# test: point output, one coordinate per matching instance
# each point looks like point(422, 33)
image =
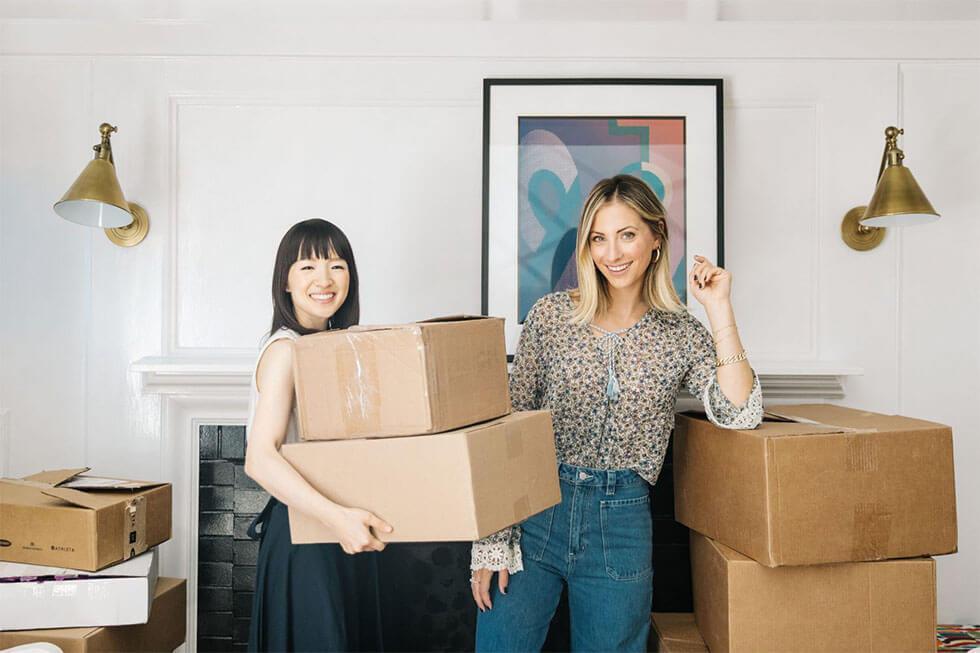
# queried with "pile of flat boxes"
point(812, 532)
point(79, 564)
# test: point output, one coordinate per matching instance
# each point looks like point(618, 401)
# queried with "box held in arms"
point(455, 486)
point(381, 381)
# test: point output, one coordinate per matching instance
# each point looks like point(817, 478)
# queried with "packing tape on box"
point(872, 531)
point(134, 527)
point(862, 455)
point(359, 385)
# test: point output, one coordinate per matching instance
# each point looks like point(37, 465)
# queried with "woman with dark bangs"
point(308, 597)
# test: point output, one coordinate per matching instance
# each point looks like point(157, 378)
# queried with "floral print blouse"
point(612, 395)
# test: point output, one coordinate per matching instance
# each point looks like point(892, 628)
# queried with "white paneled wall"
point(228, 133)
point(938, 324)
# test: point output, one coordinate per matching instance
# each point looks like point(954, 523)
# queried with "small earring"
point(657, 257)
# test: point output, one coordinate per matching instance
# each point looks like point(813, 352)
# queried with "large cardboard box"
point(818, 484)
point(62, 518)
point(454, 486)
point(741, 605)
point(165, 631)
point(34, 596)
point(675, 632)
point(407, 379)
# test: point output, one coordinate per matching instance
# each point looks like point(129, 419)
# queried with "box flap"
point(780, 424)
point(101, 483)
point(367, 328)
point(677, 633)
point(862, 420)
point(785, 423)
point(78, 498)
point(462, 317)
point(727, 552)
point(56, 476)
point(483, 425)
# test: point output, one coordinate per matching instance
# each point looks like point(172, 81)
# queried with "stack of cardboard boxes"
point(812, 532)
point(412, 422)
point(78, 567)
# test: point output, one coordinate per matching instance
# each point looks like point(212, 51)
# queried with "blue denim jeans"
point(598, 541)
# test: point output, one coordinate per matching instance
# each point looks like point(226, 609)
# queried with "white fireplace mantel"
point(229, 376)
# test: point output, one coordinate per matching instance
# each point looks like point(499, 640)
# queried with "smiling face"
point(622, 246)
point(318, 288)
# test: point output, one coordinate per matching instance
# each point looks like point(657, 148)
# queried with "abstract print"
point(560, 159)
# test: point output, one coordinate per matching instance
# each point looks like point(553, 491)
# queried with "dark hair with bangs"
point(313, 238)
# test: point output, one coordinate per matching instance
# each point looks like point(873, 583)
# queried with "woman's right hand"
point(354, 530)
point(480, 580)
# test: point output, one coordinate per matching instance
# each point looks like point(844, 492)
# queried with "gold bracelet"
point(729, 326)
point(734, 358)
point(725, 337)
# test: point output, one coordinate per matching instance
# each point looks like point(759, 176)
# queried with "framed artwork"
point(546, 142)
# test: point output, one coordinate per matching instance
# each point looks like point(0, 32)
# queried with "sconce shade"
point(898, 201)
point(95, 199)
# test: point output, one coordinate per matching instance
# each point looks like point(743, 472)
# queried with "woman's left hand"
point(709, 283)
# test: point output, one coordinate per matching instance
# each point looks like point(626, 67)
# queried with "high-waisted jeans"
point(598, 540)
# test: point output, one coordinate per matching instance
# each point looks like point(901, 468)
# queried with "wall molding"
point(218, 378)
point(171, 345)
point(812, 352)
point(183, 417)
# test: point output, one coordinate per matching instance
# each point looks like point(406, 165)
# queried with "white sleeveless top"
point(292, 434)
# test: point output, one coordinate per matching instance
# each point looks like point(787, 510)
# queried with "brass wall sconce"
point(897, 201)
point(96, 200)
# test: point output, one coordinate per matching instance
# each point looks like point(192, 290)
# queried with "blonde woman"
point(608, 360)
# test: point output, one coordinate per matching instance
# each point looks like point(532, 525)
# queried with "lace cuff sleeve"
point(722, 412)
point(501, 550)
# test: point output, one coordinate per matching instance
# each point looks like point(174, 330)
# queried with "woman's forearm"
point(266, 466)
point(734, 379)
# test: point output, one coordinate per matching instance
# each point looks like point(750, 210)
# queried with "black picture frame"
point(698, 100)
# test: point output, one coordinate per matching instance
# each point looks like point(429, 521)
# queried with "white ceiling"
point(497, 10)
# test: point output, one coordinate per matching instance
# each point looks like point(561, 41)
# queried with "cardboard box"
point(455, 486)
point(33, 596)
point(62, 518)
point(165, 631)
point(408, 379)
point(675, 632)
point(741, 605)
point(818, 484)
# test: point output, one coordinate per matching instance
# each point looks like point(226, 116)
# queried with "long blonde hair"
point(592, 294)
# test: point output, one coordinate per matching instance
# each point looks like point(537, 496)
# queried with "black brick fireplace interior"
point(425, 587)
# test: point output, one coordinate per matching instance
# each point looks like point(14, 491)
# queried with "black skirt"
point(311, 597)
